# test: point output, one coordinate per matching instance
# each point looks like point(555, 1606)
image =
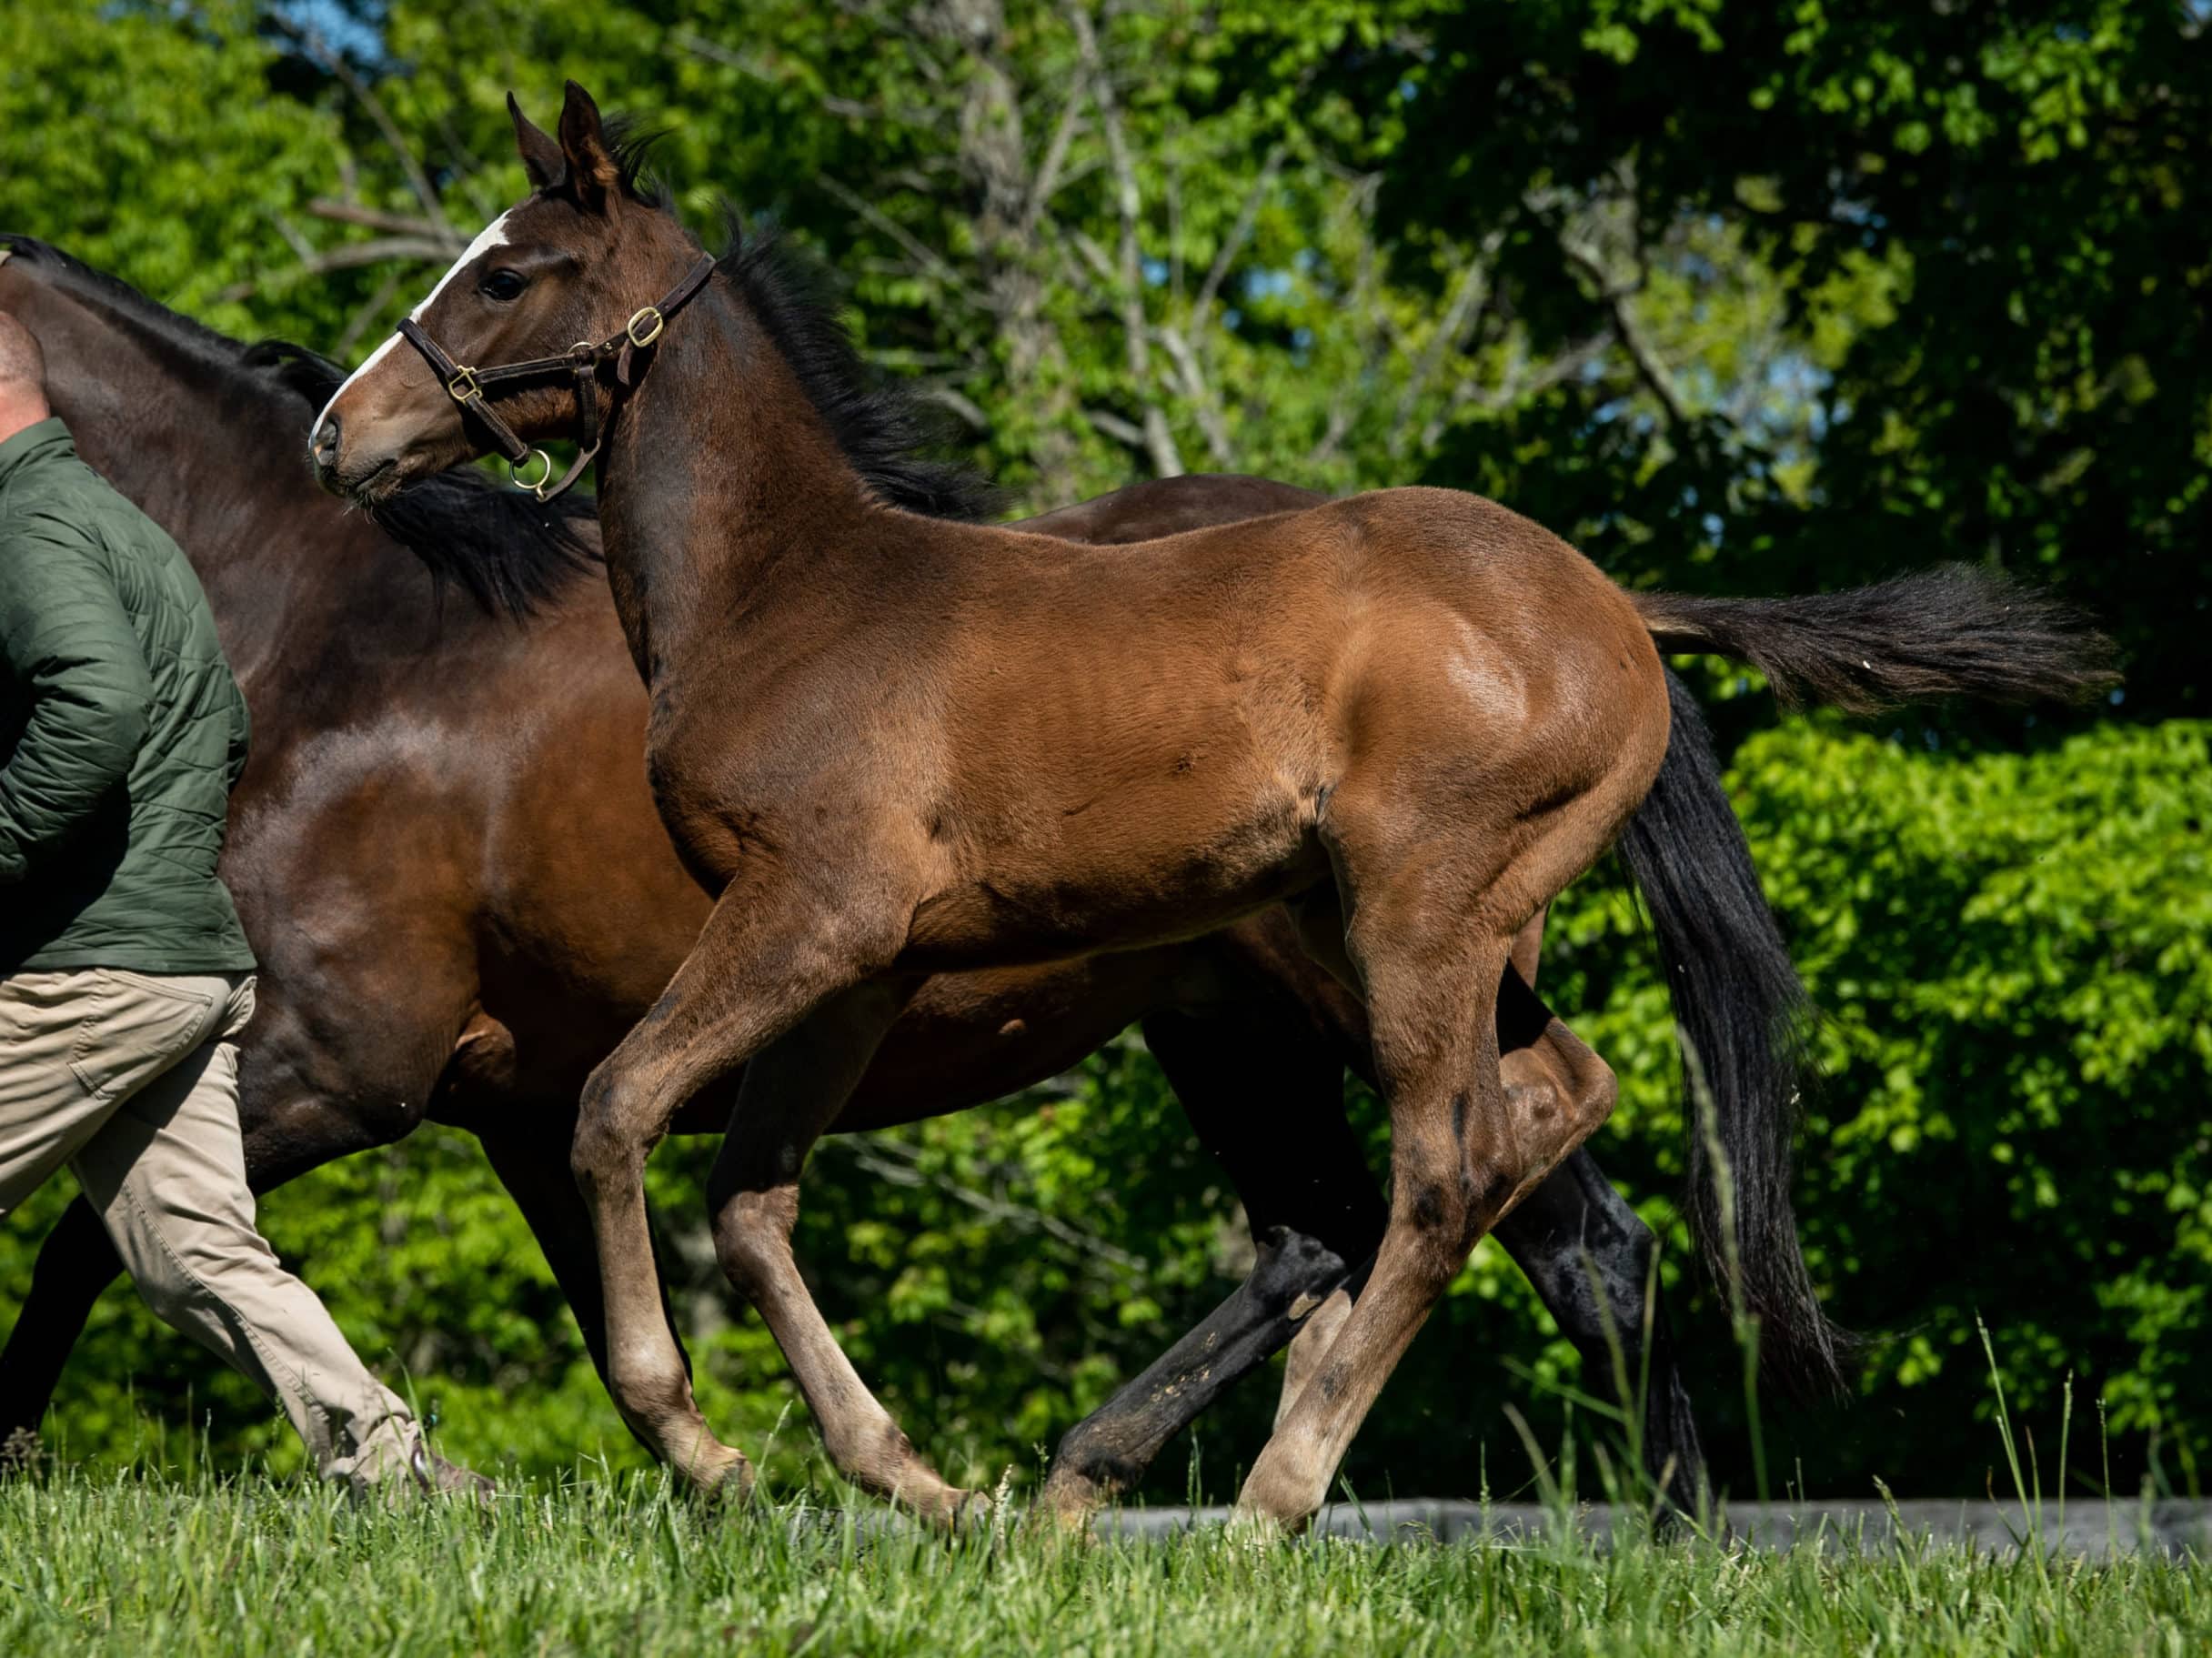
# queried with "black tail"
point(1953, 630)
point(1742, 1014)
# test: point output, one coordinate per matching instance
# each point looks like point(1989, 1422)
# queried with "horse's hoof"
point(1069, 1504)
point(1071, 1501)
point(965, 1513)
point(726, 1484)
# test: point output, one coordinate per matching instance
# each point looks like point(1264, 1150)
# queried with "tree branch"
point(928, 257)
point(1460, 311)
point(366, 313)
point(1654, 375)
point(1048, 179)
point(968, 412)
point(352, 255)
point(1211, 421)
point(1159, 442)
point(417, 180)
point(889, 1160)
point(373, 218)
point(1115, 428)
point(1240, 233)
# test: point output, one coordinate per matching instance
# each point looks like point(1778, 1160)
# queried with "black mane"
point(882, 430)
point(505, 549)
point(631, 143)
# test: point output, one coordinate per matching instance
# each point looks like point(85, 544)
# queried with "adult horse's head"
point(536, 326)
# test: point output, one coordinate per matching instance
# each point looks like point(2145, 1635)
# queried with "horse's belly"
point(1139, 877)
point(969, 1038)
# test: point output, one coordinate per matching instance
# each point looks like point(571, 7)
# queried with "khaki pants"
point(131, 1079)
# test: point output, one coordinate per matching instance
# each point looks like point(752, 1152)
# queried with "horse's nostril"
point(325, 447)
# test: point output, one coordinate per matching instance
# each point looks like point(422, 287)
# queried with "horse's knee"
point(607, 1146)
point(752, 1237)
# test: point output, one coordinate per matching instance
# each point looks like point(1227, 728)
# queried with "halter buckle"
point(463, 378)
point(536, 488)
point(642, 340)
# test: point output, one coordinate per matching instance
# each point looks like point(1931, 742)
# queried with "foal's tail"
point(1953, 630)
point(1743, 1015)
point(1956, 631)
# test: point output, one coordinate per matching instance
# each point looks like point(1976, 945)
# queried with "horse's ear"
point(541, 156)
point(594, 174)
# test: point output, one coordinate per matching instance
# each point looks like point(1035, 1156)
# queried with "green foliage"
point(1740, 297)
point(2029, 381)
point(175, 109)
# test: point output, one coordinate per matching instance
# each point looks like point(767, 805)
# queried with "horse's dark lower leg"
point(75, 1263)
point(1271, 1108)
point(1589, 1257)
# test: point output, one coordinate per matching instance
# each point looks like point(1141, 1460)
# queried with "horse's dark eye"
point(502, 285)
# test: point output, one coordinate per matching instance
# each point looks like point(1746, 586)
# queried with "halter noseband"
point(473, 389)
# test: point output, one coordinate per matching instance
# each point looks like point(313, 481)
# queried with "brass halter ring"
point(463, 385)
point(536, 488)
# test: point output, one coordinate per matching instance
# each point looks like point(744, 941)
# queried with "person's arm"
point(68, 644)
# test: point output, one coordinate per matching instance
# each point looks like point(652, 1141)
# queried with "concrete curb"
point(2092, 1530)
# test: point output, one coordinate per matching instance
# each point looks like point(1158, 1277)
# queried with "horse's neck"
point(310, 598)
point(212, 454)
point(723, 497)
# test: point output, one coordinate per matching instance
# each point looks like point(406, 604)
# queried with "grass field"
point(140, 1563)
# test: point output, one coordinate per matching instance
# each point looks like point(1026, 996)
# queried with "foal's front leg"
point(770, 951)
point(791, 1093)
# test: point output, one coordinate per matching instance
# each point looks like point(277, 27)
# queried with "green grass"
point(139, 1561)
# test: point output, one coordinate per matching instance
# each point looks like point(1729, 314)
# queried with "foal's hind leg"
point(1434, 913)
point(1321, 921)
point(792, 1092)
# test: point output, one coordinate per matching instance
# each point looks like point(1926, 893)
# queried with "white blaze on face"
point(494, 235)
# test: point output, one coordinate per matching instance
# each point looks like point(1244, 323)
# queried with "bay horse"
point(896, 744)
point(457, 930)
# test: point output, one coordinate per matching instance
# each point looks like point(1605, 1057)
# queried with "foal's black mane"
point(880, 424)
point(505, 549)
point(883, 429)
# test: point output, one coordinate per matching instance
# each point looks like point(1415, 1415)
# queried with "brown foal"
point(896, 745)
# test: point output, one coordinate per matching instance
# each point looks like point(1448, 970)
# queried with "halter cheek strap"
point(473, 389)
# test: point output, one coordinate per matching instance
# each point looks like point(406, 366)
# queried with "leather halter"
point(473, 389)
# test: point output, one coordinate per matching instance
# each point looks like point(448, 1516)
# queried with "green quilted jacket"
point(121, 731)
